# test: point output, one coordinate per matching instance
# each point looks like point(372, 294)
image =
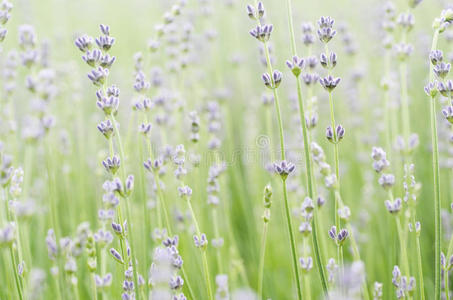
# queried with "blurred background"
point(223, 65)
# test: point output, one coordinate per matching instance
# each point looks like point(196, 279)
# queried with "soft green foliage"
point(380, 97)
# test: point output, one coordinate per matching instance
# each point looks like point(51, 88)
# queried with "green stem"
point(217, 236)
point(16, 274)
point(405, 102)
point(261, 263)
point(435, 149)
point(95, 291)
point(447, 292)
point(307, 289)
point(128, 213)
point(292, 240)
point(282, 150)
point(310, 179)
point(404, 263)
point(421, 285)
point(203, 253)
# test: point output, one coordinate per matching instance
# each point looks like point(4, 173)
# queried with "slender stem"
point(435, 149)
point(203, 253)
point(447, 292)
point(217, 236)
point(282, 154)
point(336, 155)
point(405, 102)
point(420, 270)
point(292, 240)
point(16, 274)
point(310, 179)
point(261, 263)
point(404, 263)
point(95, 291)
point(128, 213)
point(306, 251)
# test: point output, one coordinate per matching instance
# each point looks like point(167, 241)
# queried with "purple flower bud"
point(436, 56)
point(98, 76)
point(115, 254)
point(284, 168)
point(84, 43)
point(442, 69)
point(329, 83)
point(446, 89)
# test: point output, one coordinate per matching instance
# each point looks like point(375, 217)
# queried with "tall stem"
point(447, 292)
point(282, 154)
point(128, 213)
point(16, 274)
point(436, 175)
point(203, 253)
point(308, 162)
point(261, 263)
point(292, 241)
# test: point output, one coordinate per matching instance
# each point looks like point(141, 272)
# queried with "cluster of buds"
point(335, 136)
point(306, 263)
point(379, 157)
point(5, 9)
point(272, 82)
point(200, 241)
point(404, 286)
point(329, 83)
point(98, 58)
point(194, 126)
point(380, 163)
point(388, 24)
point(307, 216)
point(340, 236)
point(308, 37)
point(325, 29)
point(267, 199)
point(284, 168)
point(393, 207)
point(256, 13)
point(330, 179)
point(163, 274)
point(446, 19)
point(262, 32)
point(296, 65)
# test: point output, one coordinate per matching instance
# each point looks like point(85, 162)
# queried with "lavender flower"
point(442, 69)
point(274, 81)
point(328, 62)
point(98, 76)
point(325, 30)
point(84, 43)
point(446, 89)
point(262, 32)
point(296, 65)
point(200, 241)
point(339, 237)
point(393, 207)
point(329, 83)
point(284, 168)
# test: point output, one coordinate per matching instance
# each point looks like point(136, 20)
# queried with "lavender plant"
point(165, 199)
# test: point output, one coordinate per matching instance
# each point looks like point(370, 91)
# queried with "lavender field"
point(226, 149)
